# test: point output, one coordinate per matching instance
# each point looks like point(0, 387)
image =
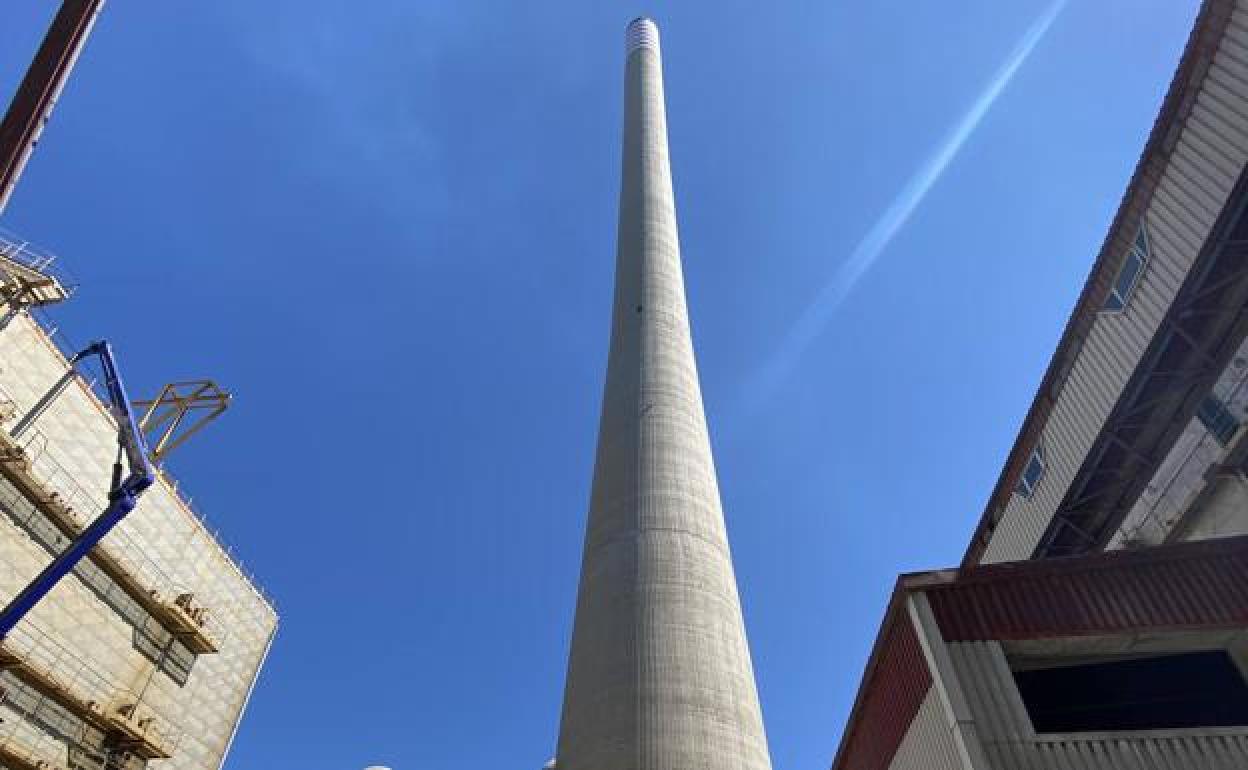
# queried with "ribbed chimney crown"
point(642, 33)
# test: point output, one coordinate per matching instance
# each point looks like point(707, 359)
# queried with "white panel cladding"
point(1208, 157)
point(1006, 734)
point(928, 743)
point(1224, 513)
point(73, 445)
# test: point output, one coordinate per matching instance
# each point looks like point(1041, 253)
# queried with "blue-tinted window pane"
point(1217, 419)
point(1129, 273)
point(1141, 243)
point(1032, 474)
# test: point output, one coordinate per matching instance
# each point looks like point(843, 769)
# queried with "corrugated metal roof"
point(1189, 585)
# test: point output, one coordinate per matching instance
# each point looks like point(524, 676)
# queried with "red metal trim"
point(1200, 585)
point(37, 94)
point(893, 688)
point(1196, 585)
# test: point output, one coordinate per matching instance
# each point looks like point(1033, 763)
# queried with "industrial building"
point(659, 674)
point(145, 652)
point(1099, 618)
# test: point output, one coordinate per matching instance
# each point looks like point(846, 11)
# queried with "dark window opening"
point(1129, 274)
point(1186, 690)
point(1217, 419)
point(1032, 473)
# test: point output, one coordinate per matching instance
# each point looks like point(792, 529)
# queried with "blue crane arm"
point(121, 499)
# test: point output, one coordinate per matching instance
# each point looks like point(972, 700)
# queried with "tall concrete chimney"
point(659, 676)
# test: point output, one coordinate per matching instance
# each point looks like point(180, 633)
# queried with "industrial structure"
point(1100, 616)
point(129, 637)
point(659, 674)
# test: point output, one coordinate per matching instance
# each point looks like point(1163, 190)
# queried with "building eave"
point(1210, 26)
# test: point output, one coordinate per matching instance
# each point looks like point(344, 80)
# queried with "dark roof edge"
point(1207, 33)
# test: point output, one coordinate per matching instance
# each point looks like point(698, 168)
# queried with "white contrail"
point(819, 313)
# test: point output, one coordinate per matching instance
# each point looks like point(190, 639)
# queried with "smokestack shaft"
point(659, 676)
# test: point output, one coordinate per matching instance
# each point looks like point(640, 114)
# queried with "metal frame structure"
point(1199, 335)
point(164, 420)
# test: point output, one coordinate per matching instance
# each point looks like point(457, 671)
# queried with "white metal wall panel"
point(1201, 171)
point(73, 445)
point(1005, 730)
point(929, 743)
point(1224, 514)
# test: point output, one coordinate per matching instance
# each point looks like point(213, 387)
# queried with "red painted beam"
point(37, 95)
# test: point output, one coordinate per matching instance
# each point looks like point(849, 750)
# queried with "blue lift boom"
point(122, 497)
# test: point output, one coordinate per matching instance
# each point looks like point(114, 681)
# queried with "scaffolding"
point(76, 685)
point(28, 275)
point(32, 468)
point(50, 496)
point(107, 717)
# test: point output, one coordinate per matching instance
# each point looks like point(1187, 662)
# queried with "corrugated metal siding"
point(1210, 153)
point(1189, 585)
point(892, 692)
point(929, 743)
point(1005, 730)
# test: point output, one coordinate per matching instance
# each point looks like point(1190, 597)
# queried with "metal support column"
point(37, 95)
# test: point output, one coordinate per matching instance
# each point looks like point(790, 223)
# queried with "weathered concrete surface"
point(660, 675)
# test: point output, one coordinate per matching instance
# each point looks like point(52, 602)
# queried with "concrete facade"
point(659, 676)
point(100, 645)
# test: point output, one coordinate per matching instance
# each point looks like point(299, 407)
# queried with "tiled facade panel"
point(929, 743)
point(1004, 729)
point(73, 447)
point(1207, 158)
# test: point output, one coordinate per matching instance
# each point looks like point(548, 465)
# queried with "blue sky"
point(388, 227)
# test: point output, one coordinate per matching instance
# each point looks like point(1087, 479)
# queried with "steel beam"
point(39, 90)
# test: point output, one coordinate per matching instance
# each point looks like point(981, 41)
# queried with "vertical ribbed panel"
point(929, 743)
point(1004, 729)
point(892, 692)
point(1179, 196)
point(659, 676)
point(1192, 585)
